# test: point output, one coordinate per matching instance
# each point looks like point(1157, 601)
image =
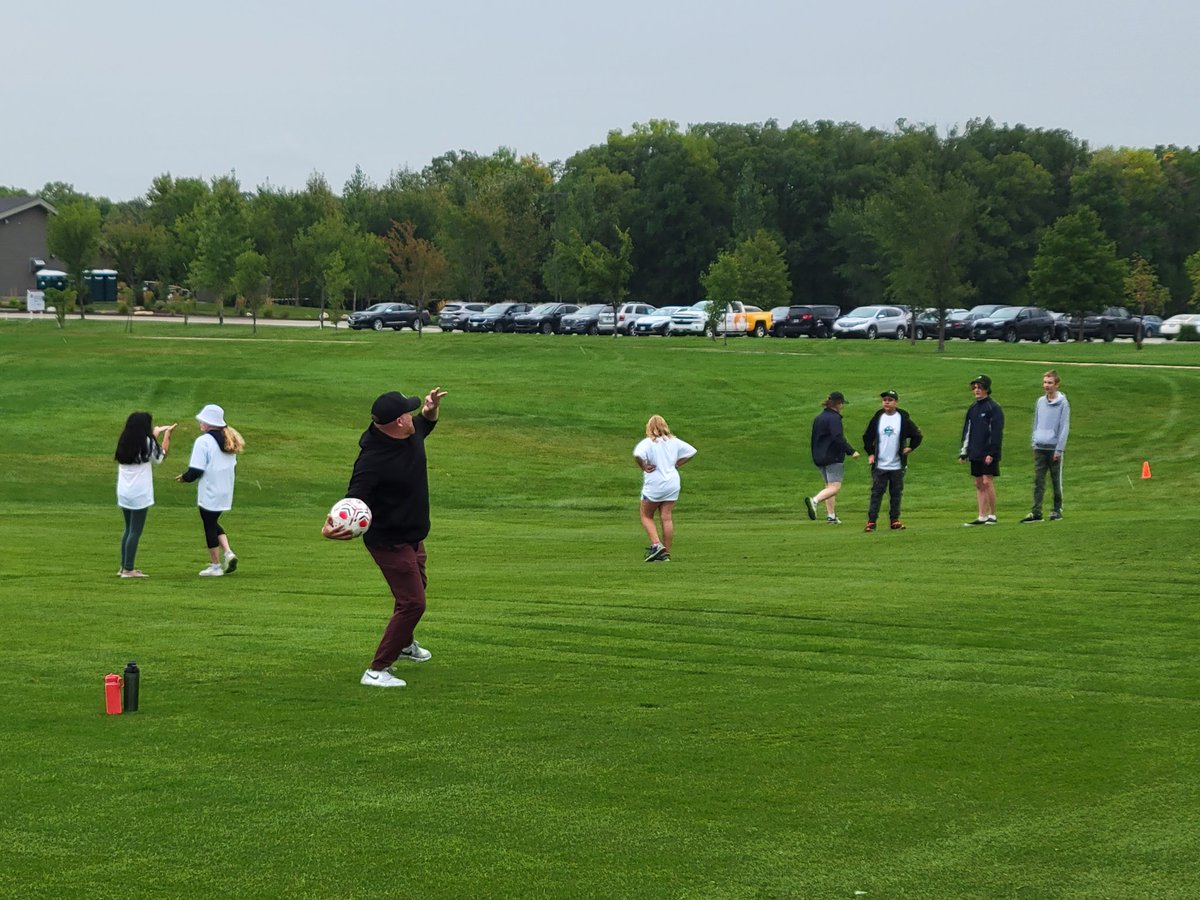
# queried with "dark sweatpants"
point(891, 481)
point(403, 565)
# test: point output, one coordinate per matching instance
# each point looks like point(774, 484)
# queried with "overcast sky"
point(108, 95)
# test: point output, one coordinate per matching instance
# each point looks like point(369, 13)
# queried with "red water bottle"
point(112, 694)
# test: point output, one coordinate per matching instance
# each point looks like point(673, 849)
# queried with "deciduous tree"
point(1076, 269)
point(74, 237)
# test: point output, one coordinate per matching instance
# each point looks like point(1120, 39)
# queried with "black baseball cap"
point(836, 397)
point(983, 381)
point(388, 407)
point(890, 394)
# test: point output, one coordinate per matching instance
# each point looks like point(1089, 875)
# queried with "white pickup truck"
point(738, 319)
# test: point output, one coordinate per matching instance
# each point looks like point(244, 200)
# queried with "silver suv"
point(625, 317)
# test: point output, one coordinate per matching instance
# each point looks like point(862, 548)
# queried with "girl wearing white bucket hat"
point(212, 465)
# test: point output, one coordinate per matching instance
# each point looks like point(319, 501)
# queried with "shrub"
point(1189, 333)
point(122, 308)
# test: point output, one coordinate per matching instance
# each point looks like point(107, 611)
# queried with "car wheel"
point(1011, 335)
point(872, 333)
point(822, 331)
point(1045, 338)
point(760, 330)
point(547, 327)
point(377, 324)
point(595, 329)
point(900, 333)
point(1109, 335)
point(919, 333)
point(709, 331)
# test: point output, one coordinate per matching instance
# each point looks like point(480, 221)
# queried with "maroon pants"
point(403, 565)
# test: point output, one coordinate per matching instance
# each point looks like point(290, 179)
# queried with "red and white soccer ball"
point(351, 514)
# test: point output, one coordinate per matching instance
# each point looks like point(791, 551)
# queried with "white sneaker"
point(990, 520)
point(213, 570)
point(414, 652)
point(371, 678)
point(230, 564)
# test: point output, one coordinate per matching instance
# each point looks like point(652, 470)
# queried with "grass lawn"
point(786, 709)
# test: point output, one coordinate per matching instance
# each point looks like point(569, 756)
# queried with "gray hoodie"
point(1051, 423)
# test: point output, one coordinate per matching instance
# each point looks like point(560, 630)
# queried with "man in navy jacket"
point(982, 437)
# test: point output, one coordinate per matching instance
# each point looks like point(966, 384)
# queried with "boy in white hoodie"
point(1051, 424)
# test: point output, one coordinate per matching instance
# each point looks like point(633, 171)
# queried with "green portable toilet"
point(50, 278)
point(101, 285)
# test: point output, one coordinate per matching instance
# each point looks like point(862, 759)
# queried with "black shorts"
point(979, 467)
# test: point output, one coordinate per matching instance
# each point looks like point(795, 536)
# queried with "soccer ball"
point(352, 514)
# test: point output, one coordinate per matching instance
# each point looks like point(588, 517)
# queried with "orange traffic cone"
point(1146, 469)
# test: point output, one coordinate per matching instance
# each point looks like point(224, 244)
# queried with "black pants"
point(891, 481)
point(135, 521)
point(211, 529)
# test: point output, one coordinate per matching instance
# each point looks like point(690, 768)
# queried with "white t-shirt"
point(887, 452)
point(214, 489)
point(662, 453)
point(135, 481)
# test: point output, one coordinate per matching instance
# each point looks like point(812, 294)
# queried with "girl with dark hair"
point(138, 448)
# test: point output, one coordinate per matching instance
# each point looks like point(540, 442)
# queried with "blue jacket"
point(983, 430)
point(829, 444)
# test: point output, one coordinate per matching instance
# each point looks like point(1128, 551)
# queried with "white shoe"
point(371, 678)
point(213, 570)
point(990, 520)
point(414, 652)
point(230, 564)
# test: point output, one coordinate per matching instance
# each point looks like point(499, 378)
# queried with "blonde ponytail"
point(233, 442)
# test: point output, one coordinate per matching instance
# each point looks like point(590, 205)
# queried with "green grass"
point(785, 710)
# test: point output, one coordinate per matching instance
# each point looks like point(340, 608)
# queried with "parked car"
point(813, 321)
point(1112, 323)
point(959, 324)
point(1151, 326)
point(656, 322)
point(1172, 328)
point(454, 314)
point(545, 317)
point(1016, 323)
point(927, 322)
point(623, 318)
point(497, 317)
point(871, 322)
point(585, 320)
point(388, 315)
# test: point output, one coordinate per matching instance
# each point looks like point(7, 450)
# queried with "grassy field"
point(787, 709)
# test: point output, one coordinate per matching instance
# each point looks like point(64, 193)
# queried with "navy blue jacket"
point(829, 444)
point(983, 430)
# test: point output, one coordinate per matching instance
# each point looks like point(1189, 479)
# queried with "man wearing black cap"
point(890, 436)
point(390, 476)
point(982, 436)
point(829, 451)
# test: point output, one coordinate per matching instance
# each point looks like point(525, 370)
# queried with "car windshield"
point(1009, 312)
point(862, 312)
point(498, 307)
point(542, 308)
point(591, 309)
point(378, 307)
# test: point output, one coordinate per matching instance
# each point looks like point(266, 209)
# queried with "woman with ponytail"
point(214, 458)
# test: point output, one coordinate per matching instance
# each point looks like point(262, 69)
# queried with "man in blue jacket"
point(829, 451)
point(982, 437)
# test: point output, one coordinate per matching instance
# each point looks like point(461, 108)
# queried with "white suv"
point(626, 315)
point(871, 322)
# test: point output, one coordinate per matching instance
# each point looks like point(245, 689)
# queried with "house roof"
point(11, 206)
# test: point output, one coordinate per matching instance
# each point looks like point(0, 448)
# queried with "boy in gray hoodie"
point(1051, 424)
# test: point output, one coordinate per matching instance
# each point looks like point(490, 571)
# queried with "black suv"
point(1016, 323)
point(793, 321)
point(544, 317)
point(497, 317)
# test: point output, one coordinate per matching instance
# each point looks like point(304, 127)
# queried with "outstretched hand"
point(433, 399)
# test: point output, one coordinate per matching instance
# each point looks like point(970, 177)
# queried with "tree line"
point(817, 212)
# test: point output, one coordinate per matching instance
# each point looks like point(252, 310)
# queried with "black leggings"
point(212, 531)
point(135, 521)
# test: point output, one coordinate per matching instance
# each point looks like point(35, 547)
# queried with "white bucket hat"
point(212, 415)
